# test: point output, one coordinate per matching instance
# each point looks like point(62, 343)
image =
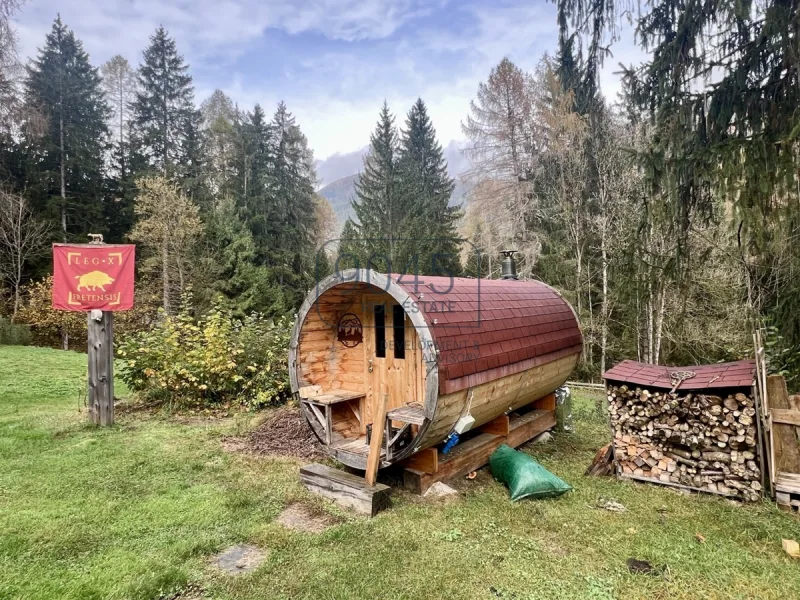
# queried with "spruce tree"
point(287, 246)
point(382, 212)
point(351, 252)
point(426, 187)
point(119, 84)
point(65, 164)
point(233, 269)
point(166, 121)
point(252, 166)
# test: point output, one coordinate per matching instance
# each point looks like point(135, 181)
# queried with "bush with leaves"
point(14, 334)
point(216, 359)
point(50, 327)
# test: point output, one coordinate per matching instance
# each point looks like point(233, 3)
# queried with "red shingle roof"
point(723, 375)
point(485, 329)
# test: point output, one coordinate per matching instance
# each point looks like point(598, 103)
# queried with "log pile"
point(696, 440)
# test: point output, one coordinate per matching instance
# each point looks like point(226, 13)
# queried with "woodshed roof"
point(723, 375)
point(485, 329)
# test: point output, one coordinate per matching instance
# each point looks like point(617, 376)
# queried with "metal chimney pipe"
point(508, 267)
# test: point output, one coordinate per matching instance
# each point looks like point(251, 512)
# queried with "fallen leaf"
point(632, 530)
point(791, 548)
point(472, 475)
point(700, 538)
point(611, 505)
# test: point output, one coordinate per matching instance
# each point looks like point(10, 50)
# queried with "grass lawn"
point(135, 511)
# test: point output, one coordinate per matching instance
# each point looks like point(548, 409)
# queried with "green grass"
point(135, 511)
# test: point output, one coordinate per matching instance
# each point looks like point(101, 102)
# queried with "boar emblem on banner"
point(93, 280)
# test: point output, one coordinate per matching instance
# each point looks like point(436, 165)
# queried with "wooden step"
point(410, 413)
point(347, 490)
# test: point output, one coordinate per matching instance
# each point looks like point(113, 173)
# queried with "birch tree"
point(23, 238)
point(169, 226)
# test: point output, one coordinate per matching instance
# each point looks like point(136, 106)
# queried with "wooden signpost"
point(96, 278)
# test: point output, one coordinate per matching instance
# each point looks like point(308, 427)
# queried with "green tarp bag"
point(524, 477)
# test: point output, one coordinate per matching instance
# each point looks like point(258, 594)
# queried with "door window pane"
point(380, 331)
point(399, 327)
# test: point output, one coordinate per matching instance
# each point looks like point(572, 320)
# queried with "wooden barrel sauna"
point(440, 348)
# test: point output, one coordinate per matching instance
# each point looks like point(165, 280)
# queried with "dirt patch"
point(299, 518)
point(285, 433)
point(239, 559)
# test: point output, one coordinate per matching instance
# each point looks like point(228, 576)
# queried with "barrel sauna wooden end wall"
point(440, 348)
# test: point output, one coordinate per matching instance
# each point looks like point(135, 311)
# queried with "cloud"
point(333, 61)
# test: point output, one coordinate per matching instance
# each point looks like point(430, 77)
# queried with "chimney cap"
point(508, 267)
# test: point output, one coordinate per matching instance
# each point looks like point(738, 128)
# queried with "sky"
point(333, 62)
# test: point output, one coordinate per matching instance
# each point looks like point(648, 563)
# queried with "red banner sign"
point(93, 276)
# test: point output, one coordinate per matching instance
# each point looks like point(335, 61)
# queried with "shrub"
point(14, 334)
point(218, 359)
point(49, 325)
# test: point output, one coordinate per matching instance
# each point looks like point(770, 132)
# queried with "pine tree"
point(427, 187)
point(167, 137)
point(351, 252)
point(382, 213)
point(220, 128)
point(252, 164)
point(65, 174)
point(236, 276)
point(287, 246)
point(119, 84)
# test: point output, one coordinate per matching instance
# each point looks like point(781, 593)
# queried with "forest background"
point(668, 216)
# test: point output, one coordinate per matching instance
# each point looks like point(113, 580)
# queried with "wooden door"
point(390, 353)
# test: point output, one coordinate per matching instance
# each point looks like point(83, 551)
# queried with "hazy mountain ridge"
point(340, 192)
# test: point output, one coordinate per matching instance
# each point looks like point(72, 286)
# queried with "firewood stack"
point(692, 439)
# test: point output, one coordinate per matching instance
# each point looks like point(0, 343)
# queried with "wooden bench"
point(320, 405)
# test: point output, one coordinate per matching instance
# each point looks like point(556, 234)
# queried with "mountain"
point(340, 192)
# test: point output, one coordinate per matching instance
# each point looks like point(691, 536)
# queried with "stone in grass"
point(440, 490)
point(239, 559)
point(300, 518)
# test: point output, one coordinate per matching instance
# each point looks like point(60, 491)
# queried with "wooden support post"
point(498, 426)
point(101, 367)
point(425, 461)
point(374, 459)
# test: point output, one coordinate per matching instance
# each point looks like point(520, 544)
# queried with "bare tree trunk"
point(638, 324)
point(650, 310)
point(63, 177)
point(660, 324)
point(605, 307)
point(165, 275)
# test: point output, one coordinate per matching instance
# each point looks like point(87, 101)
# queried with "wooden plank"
point(786, 450)
point(101, 367)
point(785, 416)
point(408, 414)
point(546, 403)
point(310, 391)
point(529, 425)
point(498, 426)
point(345, 489)
point(426, 461)
point(374, 459)
point(673, 484)
point(788, 483)
point(336, 396)
point(473, 453)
